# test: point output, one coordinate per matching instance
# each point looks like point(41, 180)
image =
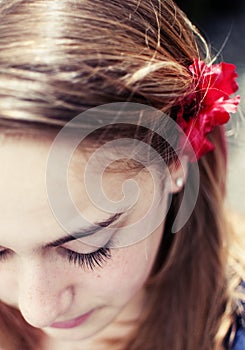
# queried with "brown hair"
point(59, 58)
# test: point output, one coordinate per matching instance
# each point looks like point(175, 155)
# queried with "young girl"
point(114, 233)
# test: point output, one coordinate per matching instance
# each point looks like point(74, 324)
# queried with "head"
point(57, 60)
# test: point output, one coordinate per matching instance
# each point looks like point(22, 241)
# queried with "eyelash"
point(3, 255)
point(90, 260)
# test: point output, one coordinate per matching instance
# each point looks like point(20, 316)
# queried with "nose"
point(43, 295)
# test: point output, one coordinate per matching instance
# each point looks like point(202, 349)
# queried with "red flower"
point(212, 103)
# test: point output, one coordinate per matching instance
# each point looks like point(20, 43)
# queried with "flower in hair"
point(209, 105)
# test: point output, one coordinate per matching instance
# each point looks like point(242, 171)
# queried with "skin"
point(40, 281)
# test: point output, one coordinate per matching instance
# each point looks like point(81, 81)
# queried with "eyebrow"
point(85, 232)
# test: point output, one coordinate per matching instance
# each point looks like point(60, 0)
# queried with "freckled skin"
point(42, 284)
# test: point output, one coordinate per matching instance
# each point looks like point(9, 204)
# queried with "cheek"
point(122, 276)
point(8, 288)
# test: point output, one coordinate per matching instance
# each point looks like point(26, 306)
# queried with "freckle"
point(98, 276)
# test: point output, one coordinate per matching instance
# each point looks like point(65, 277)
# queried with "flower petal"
point(213, 86)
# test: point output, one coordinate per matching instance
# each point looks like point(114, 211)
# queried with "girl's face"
point(70, 290)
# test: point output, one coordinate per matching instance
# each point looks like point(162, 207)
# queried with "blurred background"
point(222, 22)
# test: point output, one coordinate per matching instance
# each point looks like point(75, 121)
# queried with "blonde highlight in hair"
point(47, 50)
point(60, 57)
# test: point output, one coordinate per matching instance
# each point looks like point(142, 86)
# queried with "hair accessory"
point(179, 182)
point(208, 105)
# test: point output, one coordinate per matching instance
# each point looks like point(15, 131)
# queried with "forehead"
point(23, 198)
point(24, 204)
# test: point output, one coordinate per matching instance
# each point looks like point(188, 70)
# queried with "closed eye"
point(4, 254)
point(90, 260)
